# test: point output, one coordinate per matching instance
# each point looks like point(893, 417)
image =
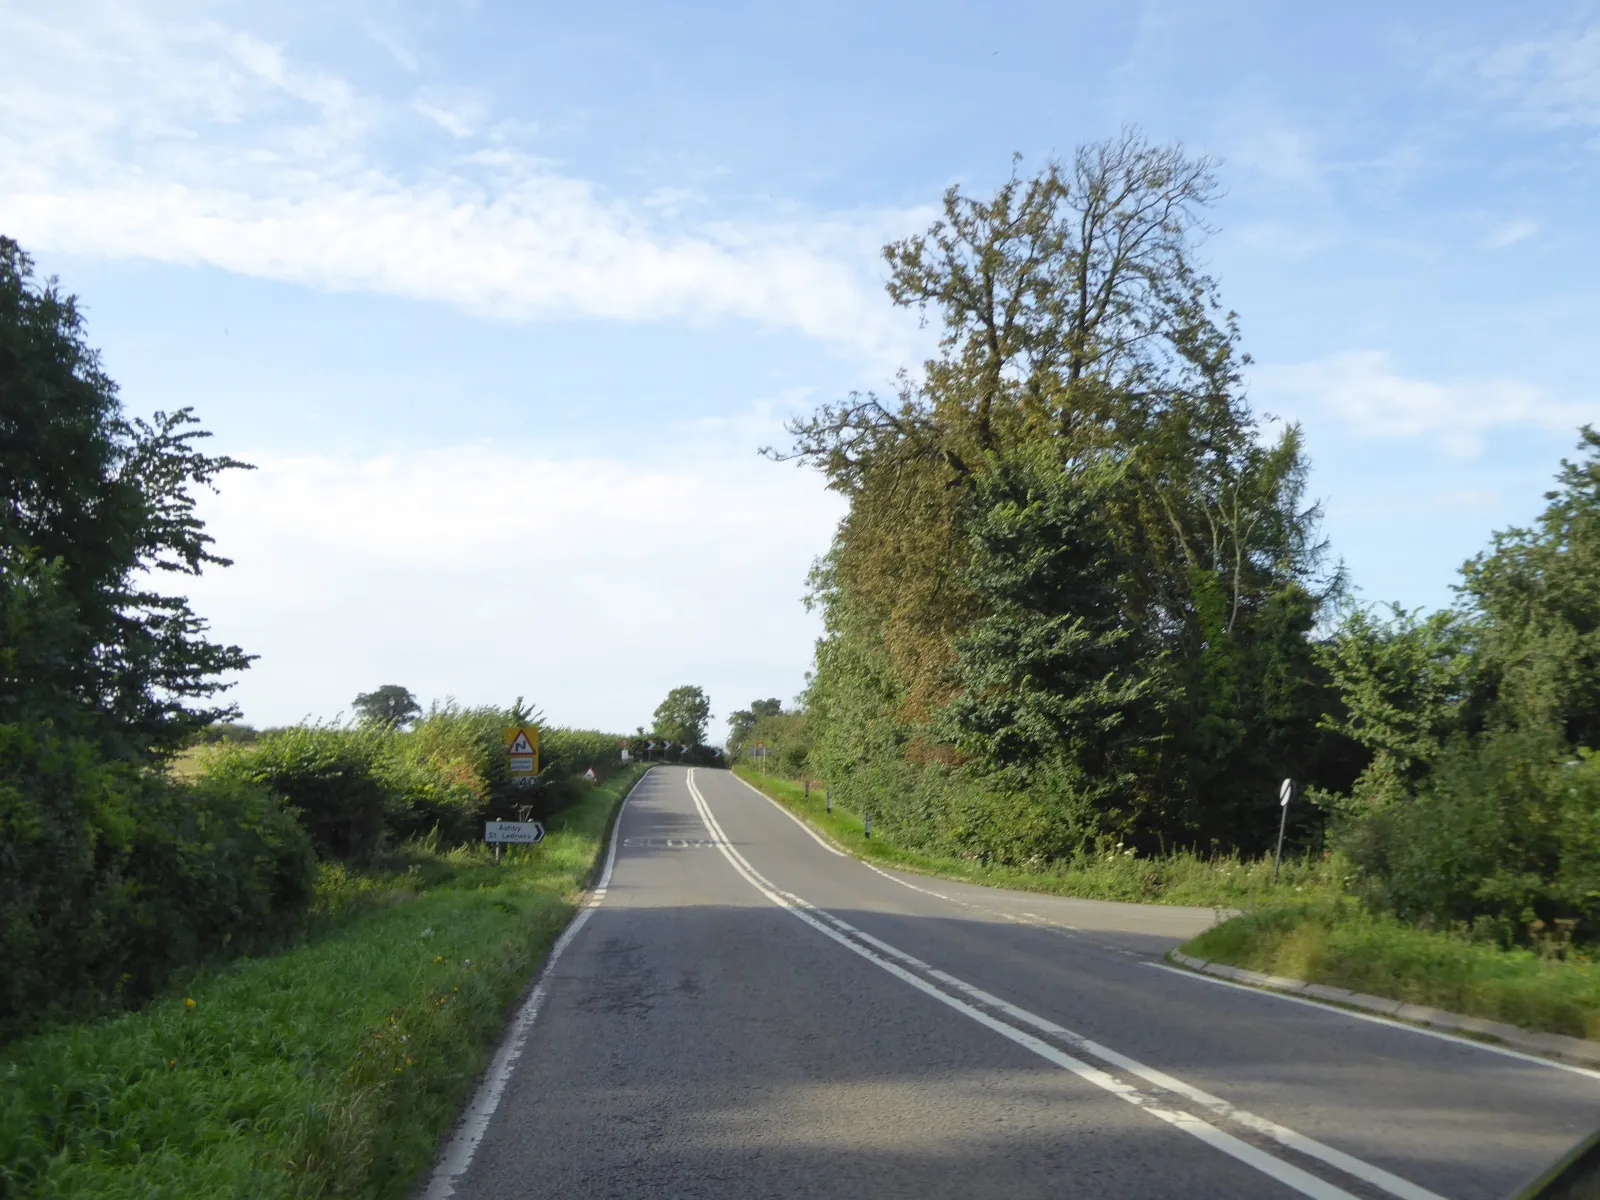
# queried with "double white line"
point(968, 999)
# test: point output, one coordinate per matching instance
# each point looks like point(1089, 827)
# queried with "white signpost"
point(1285, 794)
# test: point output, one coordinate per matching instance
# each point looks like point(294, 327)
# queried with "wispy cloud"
point(195, 143)
point(1512, 232)
point(1553, 80)
point(1362, 390)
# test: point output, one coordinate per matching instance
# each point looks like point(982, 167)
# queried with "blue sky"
point(501, 298)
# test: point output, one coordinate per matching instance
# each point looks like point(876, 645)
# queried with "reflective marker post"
point(869, 825)
point(1285, 792)
point(829, 796)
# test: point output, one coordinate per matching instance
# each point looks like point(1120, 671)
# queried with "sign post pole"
point(829, 796)
point(1285, 792)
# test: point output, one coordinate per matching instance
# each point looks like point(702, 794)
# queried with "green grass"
point(1343, 944)
point(1226, 881)
point(331, 1069)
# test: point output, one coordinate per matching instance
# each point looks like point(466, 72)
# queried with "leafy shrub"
point(573, 751)
point(112, 877)
point(329, 776)
point(443, 775)
point(1504, 833)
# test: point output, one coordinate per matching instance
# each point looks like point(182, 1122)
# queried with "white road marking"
point(815, 836)
point(1379, 1019)
point(457, 1156)
point(1286, 1173)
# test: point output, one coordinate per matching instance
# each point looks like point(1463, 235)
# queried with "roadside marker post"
point(828, 795)
point(869, 825)
point(1286, 791)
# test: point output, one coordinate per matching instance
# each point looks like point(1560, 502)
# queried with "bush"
point(1503, 834)
point(112, 877)
point(443, 777)
point(329, 776)
point(565, 752)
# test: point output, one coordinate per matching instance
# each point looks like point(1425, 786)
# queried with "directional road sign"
point(524, 833)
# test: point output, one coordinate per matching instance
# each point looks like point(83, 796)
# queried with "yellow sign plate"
point(522, 750)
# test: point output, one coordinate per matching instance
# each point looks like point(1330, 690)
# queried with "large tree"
point(98, 507)
point(682, 716)
point(1070, 541)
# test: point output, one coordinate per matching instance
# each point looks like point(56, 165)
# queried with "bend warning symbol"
point(521, 745)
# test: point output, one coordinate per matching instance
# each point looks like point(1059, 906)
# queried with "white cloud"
point(1512, 232)
point(188, 142)
point(1362, 390)
point(592, 586)
point(1553, 80)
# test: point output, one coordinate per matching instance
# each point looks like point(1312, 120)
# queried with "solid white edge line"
point(1286, 1173)
point(1379, 1019)
point(457, 1156)
point(815, 836)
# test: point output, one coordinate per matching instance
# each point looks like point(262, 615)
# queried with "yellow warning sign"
point(522, 751)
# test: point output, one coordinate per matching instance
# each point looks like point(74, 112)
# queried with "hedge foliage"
point(112, 876)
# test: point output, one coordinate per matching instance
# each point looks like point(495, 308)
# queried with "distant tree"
point(390, 705)
point(94, 507)
point(744, 720)
point(682, 716)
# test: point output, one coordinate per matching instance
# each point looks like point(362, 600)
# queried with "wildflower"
point(438, 958)
point(189, 1003)
point(466, 962)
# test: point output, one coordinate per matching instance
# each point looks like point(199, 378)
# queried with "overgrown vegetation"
point(332, 1069)
point(1079, 604)
point(1070, 603)
point(1183, 877)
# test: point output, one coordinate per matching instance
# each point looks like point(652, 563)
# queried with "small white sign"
point(522, 764)
point(527, 833)
point(1285, 793)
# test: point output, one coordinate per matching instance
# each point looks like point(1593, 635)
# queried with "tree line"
point(1081, 597)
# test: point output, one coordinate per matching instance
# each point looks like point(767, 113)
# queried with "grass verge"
point(1181, 878)
point(1343, 944)
point(331, 1069)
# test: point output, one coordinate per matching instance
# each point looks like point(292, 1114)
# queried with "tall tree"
point(1081, 348)
point(683, 715)
point(97, 507)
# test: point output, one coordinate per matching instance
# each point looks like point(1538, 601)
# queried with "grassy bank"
point(331, 1069)
point(1182, 878)
point(1554, 990)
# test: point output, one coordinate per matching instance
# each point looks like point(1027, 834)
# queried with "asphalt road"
point(747, 1013)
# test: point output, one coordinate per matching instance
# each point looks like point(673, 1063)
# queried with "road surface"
point(747, 1013)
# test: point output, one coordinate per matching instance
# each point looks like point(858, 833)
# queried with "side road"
point(1090, 917)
